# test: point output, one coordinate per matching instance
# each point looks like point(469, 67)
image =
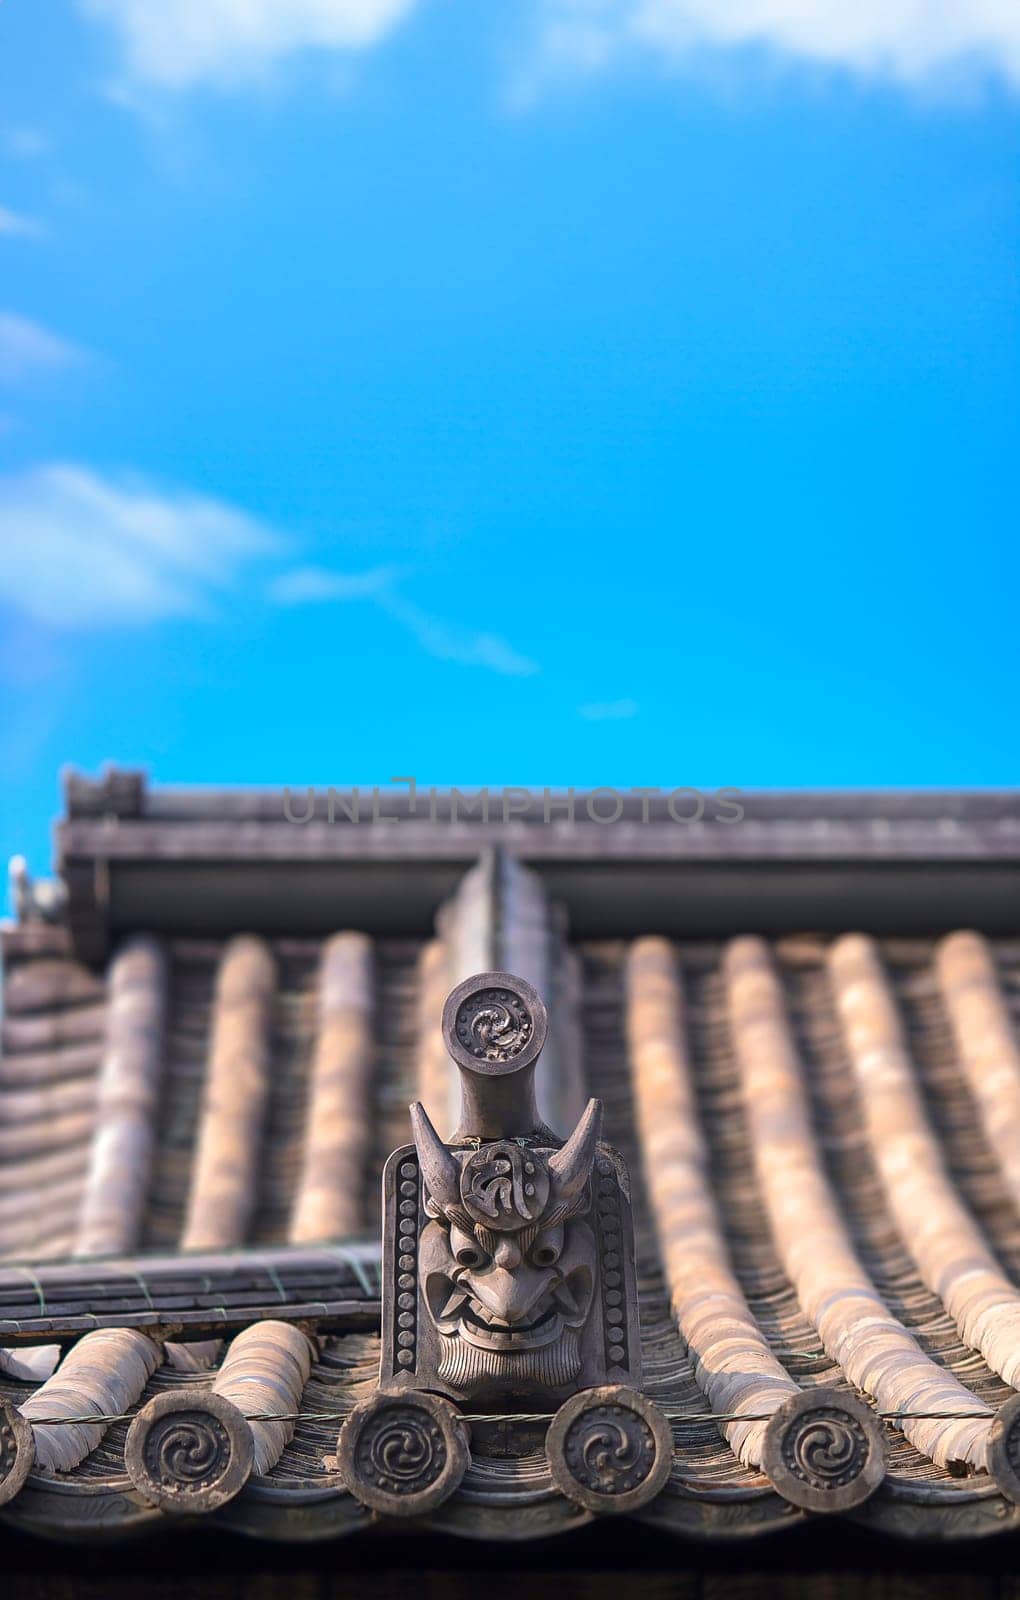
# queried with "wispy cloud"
point(910, 42)
point(306, 585)
point(27, 348)
point(79, 550)
point(178, 44)
point(465, 646)
point(82, 550)
point(16, 225)
point(609, 710)
point(24, 143)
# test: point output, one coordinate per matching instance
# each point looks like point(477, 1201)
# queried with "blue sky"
point(580, 391)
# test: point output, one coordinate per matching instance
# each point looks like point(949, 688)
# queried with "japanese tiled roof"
point(203, 1072)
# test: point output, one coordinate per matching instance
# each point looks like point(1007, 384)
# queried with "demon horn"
point(440, 1170)
point(570, 1168)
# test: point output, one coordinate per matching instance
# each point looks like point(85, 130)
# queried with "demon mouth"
point(487, 1332)
point(460, 1314)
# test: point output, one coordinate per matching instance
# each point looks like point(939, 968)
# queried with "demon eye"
point(467, 1252)
point(545, 1252)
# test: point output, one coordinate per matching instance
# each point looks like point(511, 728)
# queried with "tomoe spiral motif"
point(187, 1450)
point(826, 1448)
point(494, 1025)
point(504, 1186)
point(401, 1450)
point(610, 1449)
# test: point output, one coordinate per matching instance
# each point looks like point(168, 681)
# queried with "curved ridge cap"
point(935, 1226)
point(691, 1242)
point(103, 1374)
point(876, 1352)
point(987, 1043)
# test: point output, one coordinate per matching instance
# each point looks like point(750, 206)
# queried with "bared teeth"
point(564, 1295)
point(506, 1339)
point(453, 1305)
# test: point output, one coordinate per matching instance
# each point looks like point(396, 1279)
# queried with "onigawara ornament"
point(508, 1257)
point(508, 1288)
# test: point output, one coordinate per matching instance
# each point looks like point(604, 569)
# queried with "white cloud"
point(904, 41)
point(25, 143)
point(181, 44)
point(16, 225)
point(464, 646)
point(26, 347)
point(609, 710)
point(175, 44)
point(306, 585)
point(78, 550)
point(468, 648)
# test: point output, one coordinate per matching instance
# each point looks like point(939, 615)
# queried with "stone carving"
point(825, 1451)
point(17, 1451)
point(508, 1264)
point(404, 1279)
point(509, 1257)
point(186, 1449)
point(403, 1451)
point(508, 1283)
point(609, 1449)
point(493, 1025)
point(1004, 1448)
point(189, 1450)
point(403, 1454)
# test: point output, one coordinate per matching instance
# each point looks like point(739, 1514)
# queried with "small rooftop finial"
point(34, 899)
point(20, 887)
point(494, 1026)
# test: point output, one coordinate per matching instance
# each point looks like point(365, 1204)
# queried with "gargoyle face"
point(508, 1262)
point(509, 1307)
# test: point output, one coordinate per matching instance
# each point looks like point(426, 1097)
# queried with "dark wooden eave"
point(207, 862)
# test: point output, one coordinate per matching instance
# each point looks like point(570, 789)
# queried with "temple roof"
point(807, 1054)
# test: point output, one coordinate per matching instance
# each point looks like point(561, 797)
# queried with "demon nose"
point(508, 1254)
point(510, 1296)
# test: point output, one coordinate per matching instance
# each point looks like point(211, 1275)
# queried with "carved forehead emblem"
point(504, 1187)
point(494, 1023)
